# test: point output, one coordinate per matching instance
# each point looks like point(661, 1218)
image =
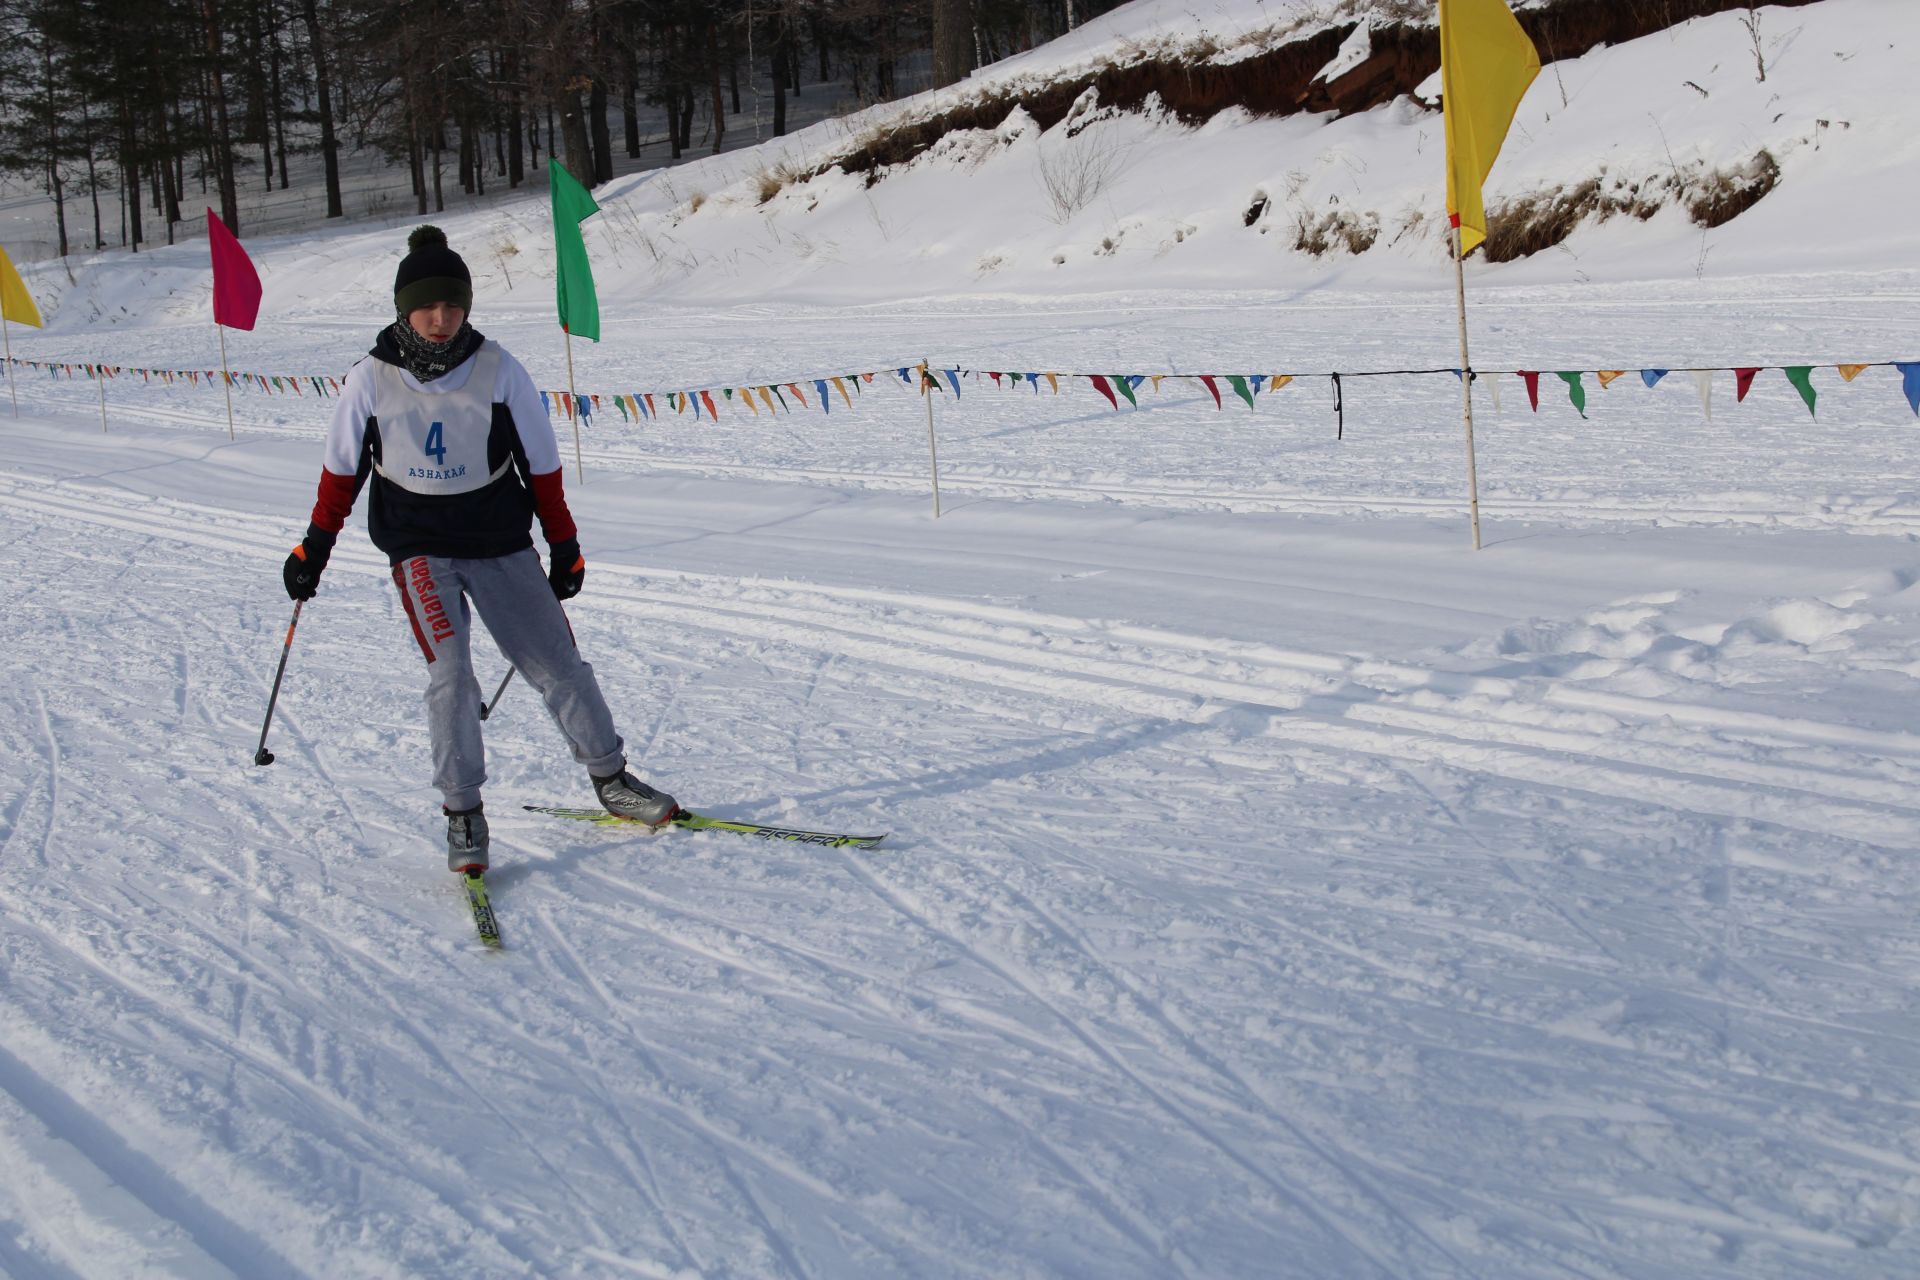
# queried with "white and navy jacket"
point(459, 465)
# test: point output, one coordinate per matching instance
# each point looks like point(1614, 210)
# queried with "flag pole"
point(100, 376)
point(933, 450)
point(226, 379)
point(573, 410)
point(1466, 384)
point(6, 330)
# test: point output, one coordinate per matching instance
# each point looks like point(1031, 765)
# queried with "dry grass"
point(1336, 229)
point(1724, 194)
point(1711, 197)
point(777, 177)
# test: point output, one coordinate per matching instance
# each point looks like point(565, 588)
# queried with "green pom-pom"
point(427, 237)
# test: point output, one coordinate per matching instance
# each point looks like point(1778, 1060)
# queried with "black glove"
point(302, 570)
point(568, 569)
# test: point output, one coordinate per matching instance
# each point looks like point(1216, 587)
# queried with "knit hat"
point(430, 273)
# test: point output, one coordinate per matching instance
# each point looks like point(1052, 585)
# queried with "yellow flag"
point(1851, 371)
point(1486, 64)
point(16, 304)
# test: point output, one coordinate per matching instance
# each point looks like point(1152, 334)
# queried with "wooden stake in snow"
point(6, 332)
point(1466, 386)
point(933, 450)
point(573, 411)
point(100, 376)
point(226, 379)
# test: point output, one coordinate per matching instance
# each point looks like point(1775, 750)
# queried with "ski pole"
point(487, 708)
point(262, 755)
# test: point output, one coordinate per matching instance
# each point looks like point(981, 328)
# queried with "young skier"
point(462, 457)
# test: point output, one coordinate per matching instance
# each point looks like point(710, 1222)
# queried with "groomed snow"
point(1276, 887)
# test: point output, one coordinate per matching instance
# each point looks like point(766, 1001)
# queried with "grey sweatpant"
point(517, 605)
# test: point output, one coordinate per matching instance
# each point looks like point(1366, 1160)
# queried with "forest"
point(122, 111)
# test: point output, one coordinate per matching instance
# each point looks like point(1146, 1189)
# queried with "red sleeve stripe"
point(335, 503)
point(550, 504)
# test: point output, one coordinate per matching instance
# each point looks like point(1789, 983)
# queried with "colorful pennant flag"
point(236, 285)
point(1486, 64)
point(1801, 376)
point(579, 305)
point(1910, 382)
point(1576, 392)
point(16, 304)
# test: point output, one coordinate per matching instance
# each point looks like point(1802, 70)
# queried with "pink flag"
point(236, 285)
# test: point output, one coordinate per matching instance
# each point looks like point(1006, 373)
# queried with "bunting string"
point(1121, 391)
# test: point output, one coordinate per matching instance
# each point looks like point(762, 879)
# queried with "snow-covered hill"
point(1275, 887)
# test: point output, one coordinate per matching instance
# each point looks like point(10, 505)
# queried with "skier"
point(462, 457)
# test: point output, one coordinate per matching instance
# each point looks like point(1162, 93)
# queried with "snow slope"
point(1275, 886)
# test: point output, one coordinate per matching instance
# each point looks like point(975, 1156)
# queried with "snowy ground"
point(1276, 887)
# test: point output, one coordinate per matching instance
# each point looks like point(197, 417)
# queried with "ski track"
point(936, 1085)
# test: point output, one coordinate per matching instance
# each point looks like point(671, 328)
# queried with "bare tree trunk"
point(573, 132)
point(274, 105)
point(719, 103)
point(323, 82)
point(516, 143)
point(779, 58)
point(222, 133)
point(952, 41)
point(601, 136)
point(93, 174)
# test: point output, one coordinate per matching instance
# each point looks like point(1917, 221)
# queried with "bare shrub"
point(1077, 171)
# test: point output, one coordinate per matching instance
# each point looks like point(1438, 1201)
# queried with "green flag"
point(1576, 392)
point(573, 275)
point(1801, 376)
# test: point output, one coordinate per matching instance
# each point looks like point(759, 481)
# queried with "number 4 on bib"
point(436, 446)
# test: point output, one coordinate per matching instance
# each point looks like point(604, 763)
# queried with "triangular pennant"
point(747, 396)
point(1053, 380)
point(1532, 379)
point(841, 387)
point(1801, 376)
point(1493, 389)
point(820, 385)
point(1100, 385)
point(1703, 382)
point(1239, 385)
point(1206, 380)
point(1910, 382)
point(1576, 392)
point(953, 376)
point(1743, 383)
point(1652, 376)
point(1124, 385)
point(1607, 376)
point(706, 398)
point(1848, 372)
point(1280, 380)
point(798, 394)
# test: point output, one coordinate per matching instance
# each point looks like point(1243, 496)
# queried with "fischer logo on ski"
point(475, 883)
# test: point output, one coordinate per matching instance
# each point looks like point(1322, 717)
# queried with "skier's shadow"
point(1049, 759)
